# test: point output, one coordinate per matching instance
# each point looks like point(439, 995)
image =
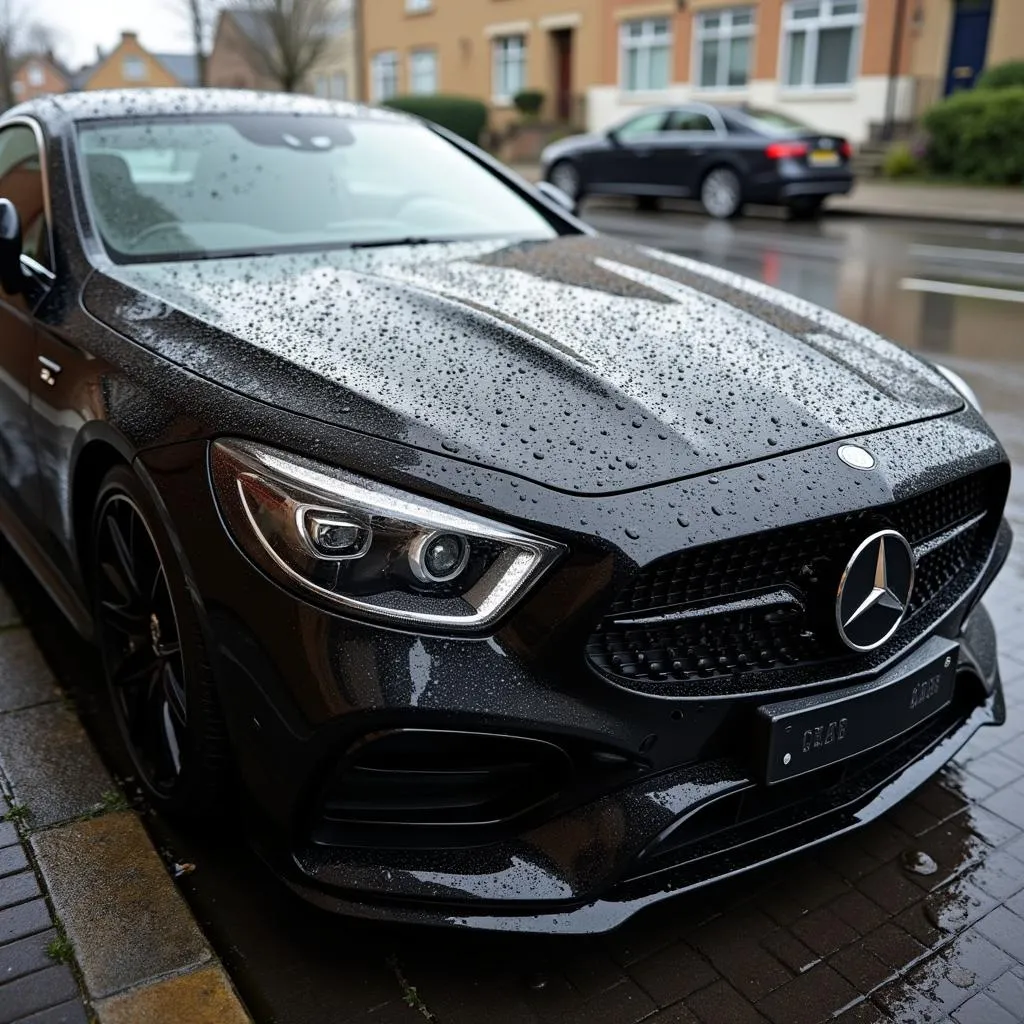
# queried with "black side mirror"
point(612, 136)
point(12, 278)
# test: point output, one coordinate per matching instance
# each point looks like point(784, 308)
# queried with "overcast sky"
point(82, 25)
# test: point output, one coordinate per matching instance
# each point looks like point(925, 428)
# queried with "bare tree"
point(288, 39)
point(19, 36)
point(201, 16)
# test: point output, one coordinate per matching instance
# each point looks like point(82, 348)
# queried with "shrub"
point(1002, 76)
point(460, 114)
point(528, 102)
point(978, 135)
point(900, 162)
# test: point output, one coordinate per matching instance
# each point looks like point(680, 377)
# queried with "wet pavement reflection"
point(918, 917)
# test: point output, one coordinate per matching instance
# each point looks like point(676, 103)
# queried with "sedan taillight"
point(782, 150)
point(846, 149)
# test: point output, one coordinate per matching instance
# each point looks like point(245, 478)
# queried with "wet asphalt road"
point(800, 941)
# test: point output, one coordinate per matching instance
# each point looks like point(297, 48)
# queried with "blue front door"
point(969, 43)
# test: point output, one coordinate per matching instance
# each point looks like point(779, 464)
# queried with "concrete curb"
point(982, 219)
point(92, 926)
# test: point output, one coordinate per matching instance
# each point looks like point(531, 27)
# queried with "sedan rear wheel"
point(158, 682)
point(566, 176)
point(721, 193)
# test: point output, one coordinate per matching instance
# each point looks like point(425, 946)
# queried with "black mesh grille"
point(796, 570)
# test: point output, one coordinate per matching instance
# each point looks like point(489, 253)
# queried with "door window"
point(645, 124)
point(21, 181)
point(688, 121)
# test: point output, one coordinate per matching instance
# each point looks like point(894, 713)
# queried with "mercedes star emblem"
point(856, 457)
point(875, 590)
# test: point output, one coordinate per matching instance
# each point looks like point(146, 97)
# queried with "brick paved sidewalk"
point(33, 985)
point(111, 920)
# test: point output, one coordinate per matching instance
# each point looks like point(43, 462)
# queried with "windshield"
point(186, 188)
point(773, 123)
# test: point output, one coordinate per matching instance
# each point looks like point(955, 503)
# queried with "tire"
point(159, 682)
point(806, 209)
point(721, 193)
point(648, 203)
point(566, 176)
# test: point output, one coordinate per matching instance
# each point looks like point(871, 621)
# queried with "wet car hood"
point(582, 363)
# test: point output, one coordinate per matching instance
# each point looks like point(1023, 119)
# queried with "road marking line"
point(953, 253)
point(969, 291)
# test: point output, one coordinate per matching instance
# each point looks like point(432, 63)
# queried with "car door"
point(691, 136)
point(21, 181)
point(624, 164)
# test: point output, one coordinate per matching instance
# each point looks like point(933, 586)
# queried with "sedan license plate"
point(803, 735)
point(823, 158)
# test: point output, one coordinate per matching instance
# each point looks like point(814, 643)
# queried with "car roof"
point(96, 104)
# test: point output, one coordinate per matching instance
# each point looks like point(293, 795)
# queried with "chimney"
point(130, 37)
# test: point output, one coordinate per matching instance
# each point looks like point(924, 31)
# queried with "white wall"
point(847, 112)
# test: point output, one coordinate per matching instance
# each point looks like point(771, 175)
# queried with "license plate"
point(801, 736)
point(823, 158)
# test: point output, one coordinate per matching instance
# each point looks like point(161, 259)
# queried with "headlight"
point(960, 384)
point(371, 550)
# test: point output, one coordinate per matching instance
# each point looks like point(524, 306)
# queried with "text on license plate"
point(808, 733)
point(823, 158)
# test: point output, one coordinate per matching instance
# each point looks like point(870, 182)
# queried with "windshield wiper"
point(381, 243)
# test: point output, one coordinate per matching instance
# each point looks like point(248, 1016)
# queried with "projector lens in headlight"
point(370, 550)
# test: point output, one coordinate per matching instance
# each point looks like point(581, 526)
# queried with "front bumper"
point(301, 686)
point(593, 869)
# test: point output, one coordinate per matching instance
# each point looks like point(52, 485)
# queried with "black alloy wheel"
point(566, 176)
point(160, 692)
point(721, 193)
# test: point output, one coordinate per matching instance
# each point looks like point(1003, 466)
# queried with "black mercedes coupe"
point(499, 574)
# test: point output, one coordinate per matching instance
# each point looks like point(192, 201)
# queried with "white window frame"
point(35, 75)
point(645, 42)
point(825, 19)
point(724, 35)
point(331, 85)
point(377, 80)
point(419, 52)
point(134, 60)
point(418, 6)
point(501, 47)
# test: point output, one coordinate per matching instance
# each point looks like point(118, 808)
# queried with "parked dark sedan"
point(501, 575)
point(723, 156)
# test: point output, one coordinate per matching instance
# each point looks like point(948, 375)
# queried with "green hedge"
point(528, 102)
point(978, 135)
point(900, 162)
point(1002, 76)
point(460, 114)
